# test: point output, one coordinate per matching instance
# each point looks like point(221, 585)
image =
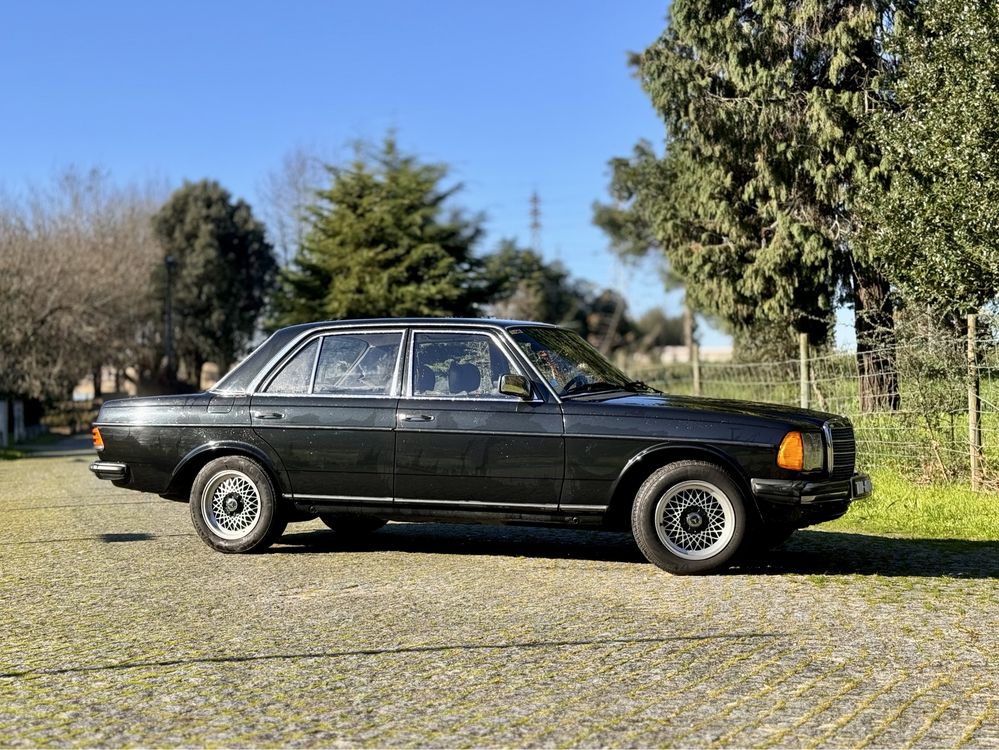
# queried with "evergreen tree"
point(224, 271)
point(383, 243)
point(935, 208)
point(764, 104)
point(523, 286)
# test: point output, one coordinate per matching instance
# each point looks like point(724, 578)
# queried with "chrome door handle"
point(416, 418)
point(268, 415)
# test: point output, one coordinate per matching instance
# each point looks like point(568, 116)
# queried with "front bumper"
point(107, 470)
point(802, 492)
point(801, 503)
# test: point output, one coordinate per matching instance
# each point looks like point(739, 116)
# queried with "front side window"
point(569, 364)
point(458, 365)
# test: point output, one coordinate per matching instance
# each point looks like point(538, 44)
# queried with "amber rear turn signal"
point(791, 454)
point(98, 440)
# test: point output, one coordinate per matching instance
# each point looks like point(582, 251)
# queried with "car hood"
point(693, 407)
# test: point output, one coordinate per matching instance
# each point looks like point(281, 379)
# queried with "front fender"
point(643, 463)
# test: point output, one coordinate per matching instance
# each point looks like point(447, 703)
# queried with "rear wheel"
point(234, 507)
point(352, 525)
point(689, 517)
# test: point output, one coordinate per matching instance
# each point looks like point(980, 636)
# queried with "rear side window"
point(358, 364)
point(296, 375)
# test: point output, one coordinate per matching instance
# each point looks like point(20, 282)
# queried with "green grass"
point(901, 508)
point(9, 454)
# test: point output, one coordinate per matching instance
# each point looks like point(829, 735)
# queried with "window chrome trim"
point(322, 328)
point(490, 333)
point(260, 383)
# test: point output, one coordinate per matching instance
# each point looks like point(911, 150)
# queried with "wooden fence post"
point(803, 368)
point(695, 364)
point(974, 406)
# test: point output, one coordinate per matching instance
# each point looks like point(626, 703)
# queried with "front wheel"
point(233, 506)
point(689, 517)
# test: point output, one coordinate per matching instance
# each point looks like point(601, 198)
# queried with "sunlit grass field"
point(900, 507)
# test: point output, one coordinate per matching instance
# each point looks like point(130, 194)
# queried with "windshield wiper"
point(598, 385)
point(638, 385)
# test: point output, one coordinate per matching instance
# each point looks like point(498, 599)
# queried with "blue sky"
point(515, 96)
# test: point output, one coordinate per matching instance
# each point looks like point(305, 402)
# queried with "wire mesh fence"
point(928, 437)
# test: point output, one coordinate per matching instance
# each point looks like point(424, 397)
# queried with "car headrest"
point(463, 378)
point(425, 379)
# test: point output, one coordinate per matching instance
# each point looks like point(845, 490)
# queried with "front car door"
point(462, 443)
point(328, 410)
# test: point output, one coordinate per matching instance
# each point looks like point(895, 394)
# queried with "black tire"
point(349, 525)
point(689, 517)
point(234, 506)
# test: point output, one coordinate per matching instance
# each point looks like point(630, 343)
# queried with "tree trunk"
point(875, 328)
point(98, 376)
point(199, 365)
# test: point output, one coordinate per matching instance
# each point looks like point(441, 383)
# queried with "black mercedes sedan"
point(479, 421)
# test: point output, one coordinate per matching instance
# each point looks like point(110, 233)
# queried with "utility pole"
point(536, 222)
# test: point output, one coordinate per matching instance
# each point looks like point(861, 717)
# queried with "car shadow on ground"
point(806, 553)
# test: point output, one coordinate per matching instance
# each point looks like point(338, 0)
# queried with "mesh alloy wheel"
point(230, 504)
point(695, 520)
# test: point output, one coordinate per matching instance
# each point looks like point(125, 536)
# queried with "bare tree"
point(284, 196)
point(75, 263)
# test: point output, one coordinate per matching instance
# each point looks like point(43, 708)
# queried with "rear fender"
point(189, 466)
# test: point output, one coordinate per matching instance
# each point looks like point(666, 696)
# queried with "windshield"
point(569, 364)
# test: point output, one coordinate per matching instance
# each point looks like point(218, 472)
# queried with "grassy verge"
point(938, 511)
point(12, 454)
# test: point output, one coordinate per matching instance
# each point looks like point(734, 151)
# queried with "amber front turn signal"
point(98, 440)
point(791, 454)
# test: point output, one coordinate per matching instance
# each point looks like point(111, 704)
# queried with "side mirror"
point(515, 385)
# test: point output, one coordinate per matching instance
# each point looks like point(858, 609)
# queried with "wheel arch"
point(641, 466)
point(183, 476)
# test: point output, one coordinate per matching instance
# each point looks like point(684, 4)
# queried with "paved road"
point(120, 628)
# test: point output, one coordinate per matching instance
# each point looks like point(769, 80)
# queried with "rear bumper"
point(107, 470)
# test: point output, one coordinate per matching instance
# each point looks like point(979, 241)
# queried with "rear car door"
point(460, 442)
point(328, 410)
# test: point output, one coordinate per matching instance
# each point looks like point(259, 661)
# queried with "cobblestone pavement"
point(119, 627)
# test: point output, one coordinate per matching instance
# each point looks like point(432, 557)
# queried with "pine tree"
point(382, 242)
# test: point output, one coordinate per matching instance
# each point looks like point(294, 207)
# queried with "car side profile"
point(477, 421)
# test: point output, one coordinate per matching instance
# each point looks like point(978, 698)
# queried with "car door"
point(328, 410)
point(459, 441)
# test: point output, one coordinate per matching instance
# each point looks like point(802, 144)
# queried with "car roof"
point(497, 322)
point(240, 378)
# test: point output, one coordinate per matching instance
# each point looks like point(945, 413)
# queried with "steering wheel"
point(578, 380)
